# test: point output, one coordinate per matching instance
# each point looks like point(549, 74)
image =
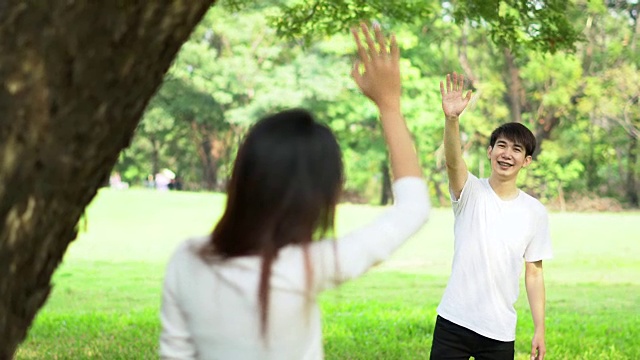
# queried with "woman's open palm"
point(452, 101)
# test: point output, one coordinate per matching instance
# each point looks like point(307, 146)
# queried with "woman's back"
point(220, 305)
point(211, 308)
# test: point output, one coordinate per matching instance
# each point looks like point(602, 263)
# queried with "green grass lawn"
point(107, 291)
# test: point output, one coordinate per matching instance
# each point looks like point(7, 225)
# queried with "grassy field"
point(107, 291)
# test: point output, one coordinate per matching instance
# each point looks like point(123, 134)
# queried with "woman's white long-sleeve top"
point(210, 310)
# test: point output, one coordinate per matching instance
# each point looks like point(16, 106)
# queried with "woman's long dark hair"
point(285, 184)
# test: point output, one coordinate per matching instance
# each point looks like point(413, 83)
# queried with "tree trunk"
point(209, 163)
point(544, 127)
point(443, 200)
point(75, 78)
point(205, 142)
point(515, 95)
point(587, 55)
point(464, 59)
point(155, 156)
point(386, 194)
point(632, 190)
point(591, 166)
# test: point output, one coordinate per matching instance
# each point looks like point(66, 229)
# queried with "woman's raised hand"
point(380, 80)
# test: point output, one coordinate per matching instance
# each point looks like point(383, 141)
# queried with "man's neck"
point(505, 189)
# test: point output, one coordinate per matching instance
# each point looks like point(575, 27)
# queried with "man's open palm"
point(452, 101)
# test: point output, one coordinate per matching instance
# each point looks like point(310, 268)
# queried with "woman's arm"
point(337, 261)
point(380, 82)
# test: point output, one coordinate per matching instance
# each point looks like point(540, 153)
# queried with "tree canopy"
point(564, 94)
point(540, 25)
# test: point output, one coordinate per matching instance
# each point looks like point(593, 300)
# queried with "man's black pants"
point(454, 342)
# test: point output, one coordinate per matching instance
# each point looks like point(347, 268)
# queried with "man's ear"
point(527, 161)
point(489, 148)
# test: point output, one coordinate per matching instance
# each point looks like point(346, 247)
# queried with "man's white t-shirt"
point(492, 237)
point(210, 310)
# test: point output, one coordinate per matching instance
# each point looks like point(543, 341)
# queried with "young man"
point(496, 227)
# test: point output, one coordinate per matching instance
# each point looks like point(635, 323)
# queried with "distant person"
point(175, 184)
point(150, 182)
point(162, 181)
point(115, 182)
point(496, 227)
point(249, 291)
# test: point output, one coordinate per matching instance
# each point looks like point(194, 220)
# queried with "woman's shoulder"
point(189, 248)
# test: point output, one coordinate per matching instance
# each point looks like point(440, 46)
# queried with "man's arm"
point(534, 282)
point(453, 104)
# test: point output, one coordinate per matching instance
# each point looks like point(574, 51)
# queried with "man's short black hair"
point(517, 133)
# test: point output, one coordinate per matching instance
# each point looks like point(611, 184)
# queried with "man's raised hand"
point(452, 101)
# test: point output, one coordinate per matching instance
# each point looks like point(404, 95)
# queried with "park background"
point(581, 102)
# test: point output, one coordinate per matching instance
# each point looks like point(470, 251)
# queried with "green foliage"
point(236, 68)
point(548, 175)
point(552, 79)
point(310, 19)
point(222, 81)
point(543, 26)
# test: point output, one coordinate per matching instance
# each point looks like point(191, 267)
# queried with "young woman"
point(249, 290)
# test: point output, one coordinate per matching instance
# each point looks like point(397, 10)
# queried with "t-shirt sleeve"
point(348, 257)
point(539, 247)
point(175, 340)
point(468, 190)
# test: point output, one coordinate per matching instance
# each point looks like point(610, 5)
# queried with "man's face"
point(507, 158)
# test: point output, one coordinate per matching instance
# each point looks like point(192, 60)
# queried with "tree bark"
point(547, 121)
point(632, 190)
point(437, 185)
point(386, 193)
point(591, 166)
point(75, 77)
point(208, 152)
point(155, 156)
point(464, 59)
point(515, 95)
